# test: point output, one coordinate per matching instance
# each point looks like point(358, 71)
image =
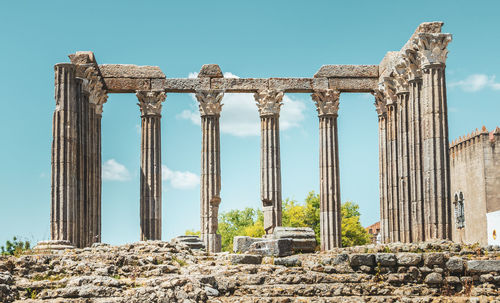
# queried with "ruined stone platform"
point(156, 271)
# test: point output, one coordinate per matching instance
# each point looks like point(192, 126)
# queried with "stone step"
point(355, 299)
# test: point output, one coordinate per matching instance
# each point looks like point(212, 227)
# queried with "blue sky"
point(247, 39)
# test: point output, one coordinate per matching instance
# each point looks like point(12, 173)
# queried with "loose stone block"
point(386, 259)
point(483, 266)
point(245, 259)
point(193, 242)
point(455, 265)
point(357, 260)
point(272, 247)
point(304, 239)
point(409, 259)
point(53, 245)
point(353, 71)
point(130, 71)
point(210, 71)
point(242, 243)
point(288, 261)
point(431, 259)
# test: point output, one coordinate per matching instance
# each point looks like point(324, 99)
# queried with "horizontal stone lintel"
point(347, 71)
point(130, 71)
point(240, 85)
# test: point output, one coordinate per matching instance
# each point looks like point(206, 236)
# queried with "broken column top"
point(210, 71)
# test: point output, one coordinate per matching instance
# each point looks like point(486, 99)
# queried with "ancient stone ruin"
point(410, 98)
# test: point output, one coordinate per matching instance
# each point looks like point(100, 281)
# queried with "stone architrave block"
point(361, 85)
point(290, 84)
point(190, 85)
point(193, 242)
point(347, 71)
point(127, 85)
point(304, 239)
point(130, 71)
point(242, 244)
point(238, 85)
point(272, 247)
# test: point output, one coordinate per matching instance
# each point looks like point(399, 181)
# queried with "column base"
point(213, 242)
point(53, 245)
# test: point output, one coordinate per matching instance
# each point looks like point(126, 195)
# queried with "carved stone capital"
point(401, 77)
point(388, 86)
point(327, 102)
point(380, 103)
point(150, 102)
point(95, 88)
point(412, 61)
point(269, 102)
point(432, 48)
point(210, 102)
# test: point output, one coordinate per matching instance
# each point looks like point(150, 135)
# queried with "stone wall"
point(156, 271)
point(475, 172)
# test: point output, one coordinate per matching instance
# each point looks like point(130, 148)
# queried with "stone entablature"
point(410, 94)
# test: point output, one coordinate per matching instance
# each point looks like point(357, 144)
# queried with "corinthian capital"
point(412, 61)
point(388, 87)
point(401, 77)
point(95, 88)
point(210, 102)
point(379, 101)
point(269, 102)
point(150, 102)
point(327, 102)
point(432, 48)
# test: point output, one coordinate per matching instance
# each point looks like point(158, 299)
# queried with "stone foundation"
point(156, 271)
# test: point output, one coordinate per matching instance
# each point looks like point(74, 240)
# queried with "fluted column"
point(64, 153)
point(380, 104)
point(150, 103)
point(436, 175)
point(402, 95)
point(327, 105)
point(210, 107)
point(415, 144)
point(269, 104)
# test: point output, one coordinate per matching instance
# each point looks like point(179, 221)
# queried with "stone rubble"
point(156, 271)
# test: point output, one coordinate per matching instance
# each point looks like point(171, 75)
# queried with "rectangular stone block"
point(291, 84)
point(354, 85)
point(483, 266)
point(186, 85)
point(272, 247)
point(241, 244)
point(351, 71)
point(238, 85)
point(304, 239)
point(126, 85)
point(130, 71)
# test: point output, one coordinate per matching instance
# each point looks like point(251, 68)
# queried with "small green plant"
point(179, 261)
point(117, 277)
point(15, 247)
point(31, 293)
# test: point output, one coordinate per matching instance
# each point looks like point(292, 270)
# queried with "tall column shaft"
point(380, 104)
point(403, 168)
point(269, 103)
point(64, 154)
point(327, 103)
point(210, 107)
point(150, 209)
point(394, 211)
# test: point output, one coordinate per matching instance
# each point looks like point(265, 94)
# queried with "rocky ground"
point(156, 271)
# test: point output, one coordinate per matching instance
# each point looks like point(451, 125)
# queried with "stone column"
point(64, 153)
point(210, 108)
point(150, 105)
point(415, 145)
point(380, 104)
point(436, 175)
point(269, 104)
point(327, 105)
point(402, 95)
point(392, 160)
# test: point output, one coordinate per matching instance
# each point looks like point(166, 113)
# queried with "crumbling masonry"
point(410, 92)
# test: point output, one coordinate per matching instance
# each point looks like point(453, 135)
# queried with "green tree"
point(353, 233)
point(15, 247)
point(237, 223)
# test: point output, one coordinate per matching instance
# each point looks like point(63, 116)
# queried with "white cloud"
point(240, 116)
point(114, 171)
point(180, 179)
point(476, 82)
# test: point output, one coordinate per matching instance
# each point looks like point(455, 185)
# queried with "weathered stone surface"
point(126, 85)
point(210, 71)
point(235, 85)
point(245, 259)
point(353, 85)
point(130, 71)
point(409, 259)
point(290, 84)
point(193, 242)
point(54, 245)
point(431, 259)
point(272, 247)
point(242, 243)
point(190, 85)
point(357, 260)
point(304, 239)
point(386, 259)
point(348, 71)
point(455, 265)
point(483, 266)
